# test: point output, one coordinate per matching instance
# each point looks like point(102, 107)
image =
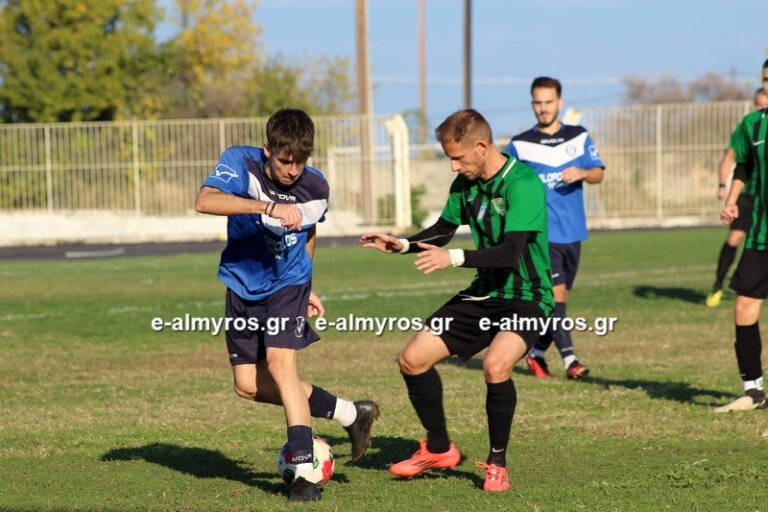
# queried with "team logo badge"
point(300, 323)
point(224, 173)
point(499, 205)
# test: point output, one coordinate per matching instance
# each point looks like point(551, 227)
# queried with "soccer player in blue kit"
point(564, 157)
point(273, 201)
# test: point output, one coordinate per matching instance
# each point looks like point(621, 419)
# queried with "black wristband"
point(721, 185)
point(269, 209)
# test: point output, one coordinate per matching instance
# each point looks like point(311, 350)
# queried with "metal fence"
point(662, 164)
point(156, 167)
point(662, 160)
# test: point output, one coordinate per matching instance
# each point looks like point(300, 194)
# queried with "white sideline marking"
point(95, 254)
point(38, 316)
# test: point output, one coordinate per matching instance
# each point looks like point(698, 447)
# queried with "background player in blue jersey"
point(273, 201)
point(564, 157)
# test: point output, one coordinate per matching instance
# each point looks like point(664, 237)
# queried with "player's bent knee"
point(746, 311)
point(496, 371)
point(249, 393)
point(408, 367)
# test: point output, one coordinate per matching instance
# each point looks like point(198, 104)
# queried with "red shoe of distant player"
point(538, 366)
point(576, 371)
point(496, 478)
point(424, 459)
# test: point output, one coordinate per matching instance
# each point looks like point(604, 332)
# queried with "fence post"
point(48, 167)
point(222, 137)
point(401, 156)
point(659, 165)
point(136, 167)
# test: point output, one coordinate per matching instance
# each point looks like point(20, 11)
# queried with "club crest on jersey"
point(593, 153)
point(224, 173)
point(499, 205)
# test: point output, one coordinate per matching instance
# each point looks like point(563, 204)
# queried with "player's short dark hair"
point(547, 83)
point(765, 64)
point(293, 130)
point(464, 124)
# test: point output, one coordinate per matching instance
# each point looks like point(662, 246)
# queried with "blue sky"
point(589, 44)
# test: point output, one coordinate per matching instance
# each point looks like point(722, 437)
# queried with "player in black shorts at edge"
point(750, 281)
point(739, 227)
point(503, 202)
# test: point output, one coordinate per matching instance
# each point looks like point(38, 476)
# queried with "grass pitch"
point(99, 412)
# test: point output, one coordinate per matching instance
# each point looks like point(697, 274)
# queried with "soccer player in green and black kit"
point(750, 281)
point(503, 201)
point(739, 227)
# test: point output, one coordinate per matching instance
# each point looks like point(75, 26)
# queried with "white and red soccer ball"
point(322, 463)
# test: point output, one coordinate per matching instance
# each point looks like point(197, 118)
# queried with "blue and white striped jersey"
point(261, 256)
point(549, 155)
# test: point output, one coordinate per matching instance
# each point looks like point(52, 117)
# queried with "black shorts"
point(465, 337)
point(744, 202)
point(565, 262)
point(751, 276)
point(279, 321)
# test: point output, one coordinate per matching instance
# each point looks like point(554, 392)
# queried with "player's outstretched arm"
point(432, 258)
point(438, 234)
point(216, 202)
point(382, 242)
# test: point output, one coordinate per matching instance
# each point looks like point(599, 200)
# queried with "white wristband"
point(406, 245)
point(457, 257)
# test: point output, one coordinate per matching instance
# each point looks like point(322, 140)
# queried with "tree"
point(669, 89)
point(317, 85)
point(216, 53)
point(73, 60)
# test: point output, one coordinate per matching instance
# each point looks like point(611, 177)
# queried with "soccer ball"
point(322, 463)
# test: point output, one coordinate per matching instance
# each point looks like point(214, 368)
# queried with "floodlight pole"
point(365, 107)
point(467, 53)
point(422, 75)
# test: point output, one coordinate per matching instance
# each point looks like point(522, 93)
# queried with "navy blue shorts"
point(465, 336)
point(279, 321)
point(565, 262)
point(751, 276)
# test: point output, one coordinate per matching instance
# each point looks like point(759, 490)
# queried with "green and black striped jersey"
point(749, 186)
point(749, 145)
point(513, 200)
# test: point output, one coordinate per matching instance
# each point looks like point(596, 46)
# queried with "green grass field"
point(99, 412)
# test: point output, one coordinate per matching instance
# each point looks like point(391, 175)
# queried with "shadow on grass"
point(681, 392)
point(676, 391)
point(200, 463)
point(386, 450)
point(656, 292)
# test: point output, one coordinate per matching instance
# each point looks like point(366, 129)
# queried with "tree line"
point(101, 60)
